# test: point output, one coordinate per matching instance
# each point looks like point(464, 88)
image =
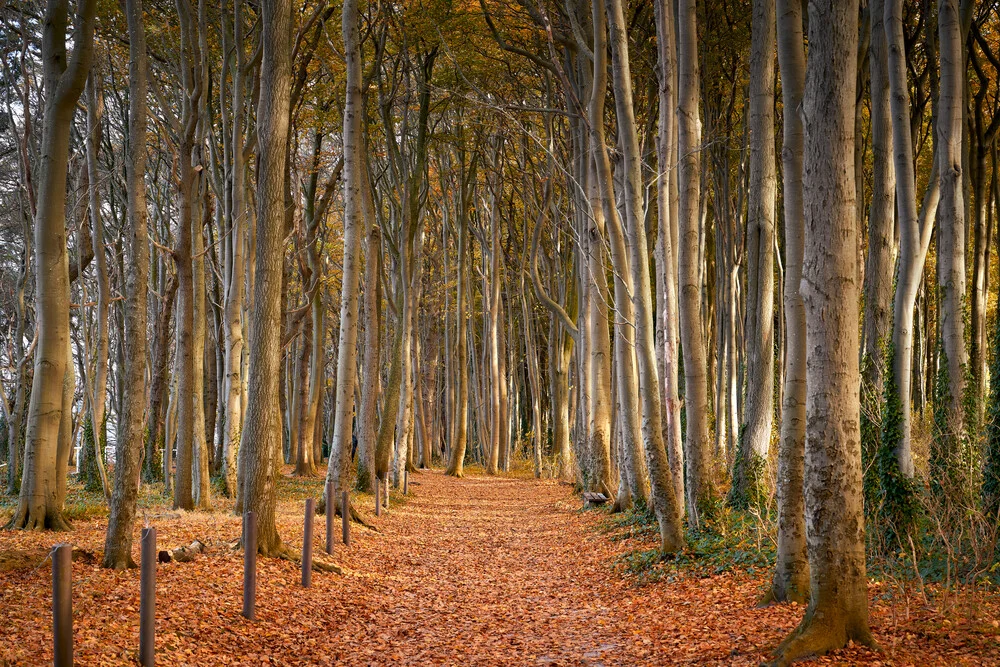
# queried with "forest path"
point(508, 571)
point(492, 570)
point(480, 571)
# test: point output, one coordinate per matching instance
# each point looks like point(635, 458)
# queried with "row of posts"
point(62, 568)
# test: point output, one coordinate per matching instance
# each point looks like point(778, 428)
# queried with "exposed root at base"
point(318, 564)
point(813, 638)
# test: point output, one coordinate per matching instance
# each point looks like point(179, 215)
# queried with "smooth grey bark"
point(666, 242)
point(750, 479)
point(876, 321)
point(698, 451)
point(603, 198)
point(338, 469)
point(128, 450)
point(456, 458)
point(665, 505)
point(951, 212)
point(914, 231)
point(791, 570)
point(372, 342)
point(101, 359)
point(235, 278)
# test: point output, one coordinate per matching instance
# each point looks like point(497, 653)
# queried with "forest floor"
point(477, 571)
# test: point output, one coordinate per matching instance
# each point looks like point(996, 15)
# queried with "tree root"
point(318, 564)
point(771, 597)
point(24, 519)
point(814, 637)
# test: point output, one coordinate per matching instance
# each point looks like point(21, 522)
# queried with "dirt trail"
point(477, 571)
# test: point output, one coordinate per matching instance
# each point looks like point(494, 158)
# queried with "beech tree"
point(47, 443)
point(838, 604)
point(260, 444)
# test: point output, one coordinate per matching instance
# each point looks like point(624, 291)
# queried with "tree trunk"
point(950, 413)
point(661, 483)
point(666, 203)
point(838, 609)
point(235, 218)
point(750, 471)
point(99, 391)
point(456, 459)
point(48, 437)
point(699, 458)
point(128, 450)
point(914, 240)
point(261, 436)
point(791, 570)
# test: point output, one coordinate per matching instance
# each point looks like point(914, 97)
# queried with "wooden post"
point(378, 497)
point(147, 599)
point(345, 513)
point(406, 480)
point(249, 565)
point(62, 604)
point(329, 516)
point(307, 544)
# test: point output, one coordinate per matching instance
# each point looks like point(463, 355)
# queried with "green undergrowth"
point(730, 541)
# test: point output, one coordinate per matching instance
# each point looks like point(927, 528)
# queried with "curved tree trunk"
point(48, 436)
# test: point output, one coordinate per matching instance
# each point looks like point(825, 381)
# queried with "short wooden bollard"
point(249, 565)
point(147, 599)
point(62, 604)
point(345, 514)
point(378, 497)
point(406, 481)
point(307, 544)
point(329, 516)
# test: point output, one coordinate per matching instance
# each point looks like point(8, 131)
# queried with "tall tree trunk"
point(372, 344)
point(914, 240)
point(48, 437)
point(750, 471)
point(666, 203)
point(699, 457)
point(950, 425)
point(99, 391)
point(791, 570)
point(838, 608)
point(260, 444)
point(200, 473)
point(128, 451)
point(876, 322)
point(338, 469)
point(456, 459)
point(156, 438)
point(661, 483)
point(236, 221)
point(603, 197)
